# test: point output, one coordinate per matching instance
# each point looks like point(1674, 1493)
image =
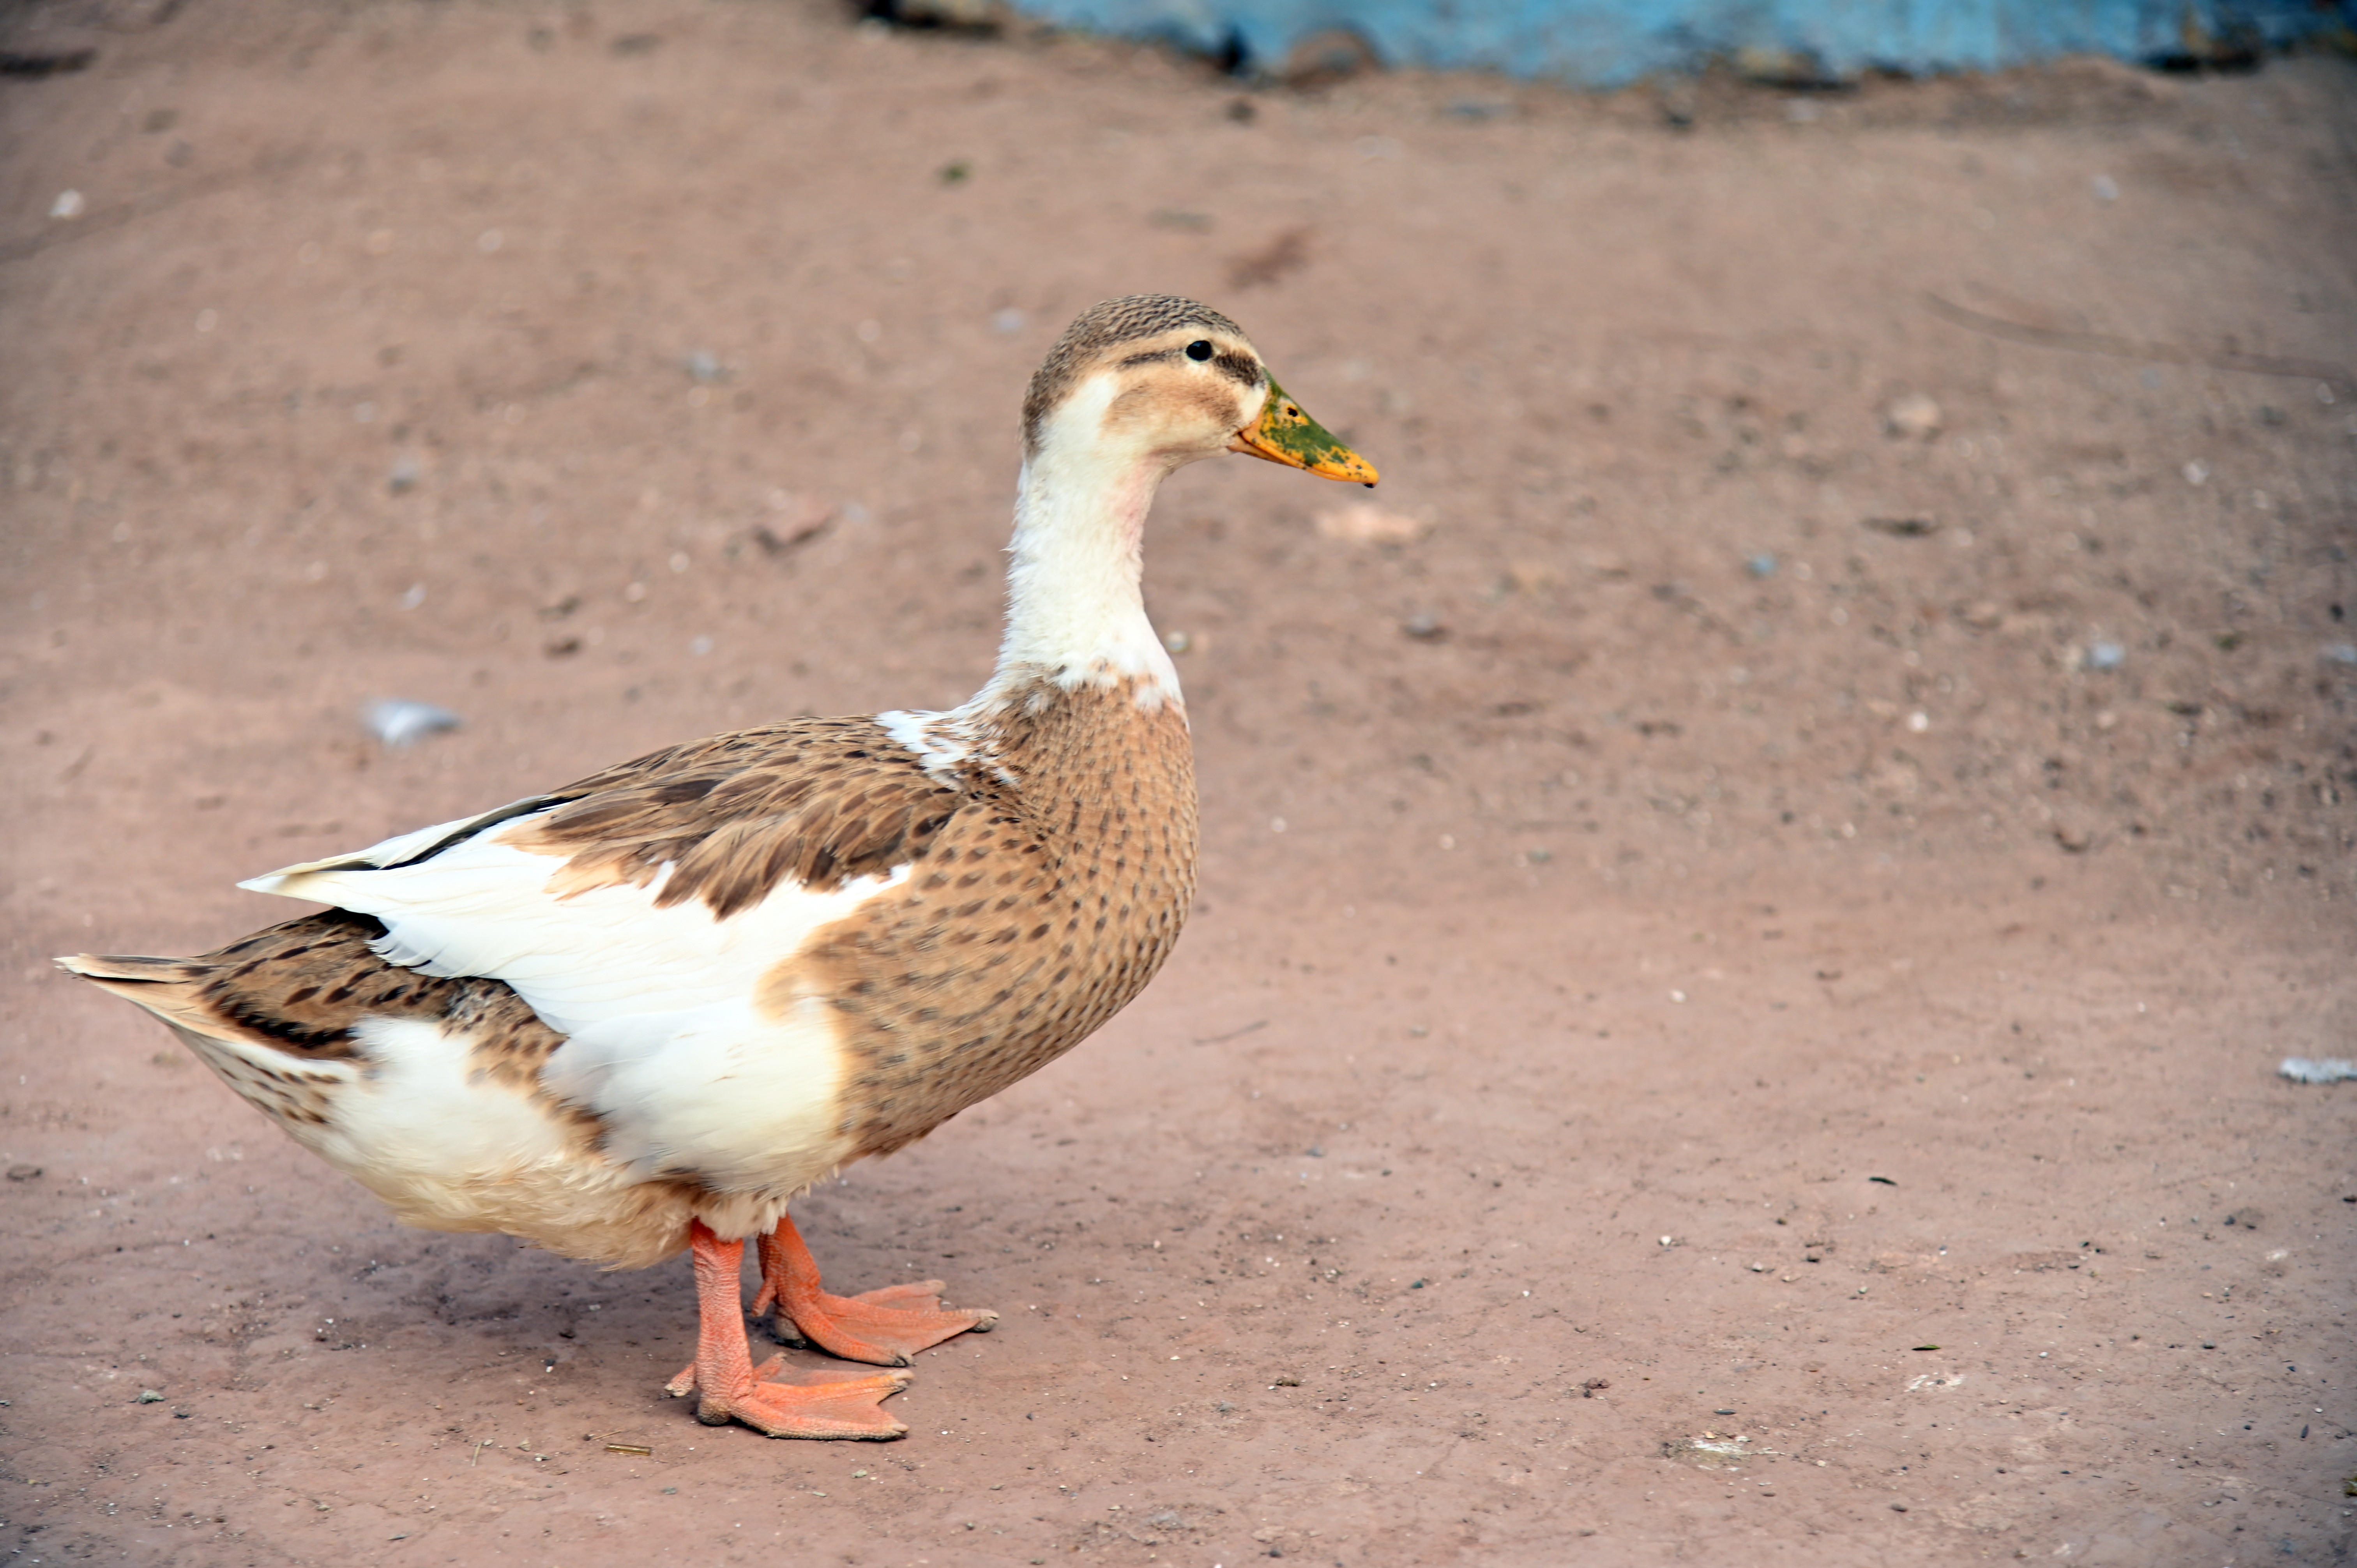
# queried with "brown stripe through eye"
point(1240, 368)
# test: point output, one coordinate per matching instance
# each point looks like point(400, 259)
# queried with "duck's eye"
point(1198, 350)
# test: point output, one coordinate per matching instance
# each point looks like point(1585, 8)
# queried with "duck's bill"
point(1283, 433)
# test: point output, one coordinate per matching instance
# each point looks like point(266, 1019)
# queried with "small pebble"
point(2107, 187)
point(1364, 524)
point(149, 1396)
point(1761, 565)
point(2105, 656)
point(2305, 1069)
point(2197, 472)
point(1915, 416)
point(2341, 653)
point(404, 477)
point(68, 204)
point(1009, 320)
point(704, 366)
point(1424, 628)
point(398, 722)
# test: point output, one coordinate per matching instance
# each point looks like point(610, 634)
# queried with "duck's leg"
point(885, 1327)
point(827, 1403)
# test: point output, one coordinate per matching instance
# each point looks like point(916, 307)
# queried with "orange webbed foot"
point(885, 1327)
point(826, 1403)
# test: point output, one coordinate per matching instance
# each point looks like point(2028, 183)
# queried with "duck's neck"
point(1074, 615)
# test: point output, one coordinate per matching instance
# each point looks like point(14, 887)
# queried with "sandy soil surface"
point(1743, 956)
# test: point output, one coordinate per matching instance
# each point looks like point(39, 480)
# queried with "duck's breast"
point(1031, 919)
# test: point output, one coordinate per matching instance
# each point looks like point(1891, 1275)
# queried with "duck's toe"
point(883, 1328)
point(828, 1404)
point(876, 1329)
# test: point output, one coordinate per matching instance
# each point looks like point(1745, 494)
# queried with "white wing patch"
point(742, 1102)
point(665, 1042)
point(938, 740)
point(417, 1119)
point(482, 907)
point(943, 742)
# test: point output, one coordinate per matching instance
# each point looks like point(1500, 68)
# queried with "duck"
point(644, 1013)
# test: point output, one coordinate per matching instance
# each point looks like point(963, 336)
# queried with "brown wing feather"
point(816, 801)
point(302, 987)
point(299, 989)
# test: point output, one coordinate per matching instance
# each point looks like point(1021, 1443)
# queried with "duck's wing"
point(651, 885)
point(637, 912)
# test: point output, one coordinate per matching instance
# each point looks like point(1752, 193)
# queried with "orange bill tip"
point(1284, 433)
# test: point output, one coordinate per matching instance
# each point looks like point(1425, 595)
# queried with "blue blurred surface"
point(1607, 43)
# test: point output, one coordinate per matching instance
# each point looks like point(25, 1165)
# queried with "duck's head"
point(1149, 382)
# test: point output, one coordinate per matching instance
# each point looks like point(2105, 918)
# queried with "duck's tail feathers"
point(171, 988)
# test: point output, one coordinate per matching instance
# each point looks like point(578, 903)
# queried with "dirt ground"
point(1744, 954)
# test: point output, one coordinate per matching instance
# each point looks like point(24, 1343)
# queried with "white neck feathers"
point(1073, 609)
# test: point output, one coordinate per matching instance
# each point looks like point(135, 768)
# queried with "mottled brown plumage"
point(1037, 912)
point(1033, 913)
point(647, 1010)
point(814, 801)
point(297, 993)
